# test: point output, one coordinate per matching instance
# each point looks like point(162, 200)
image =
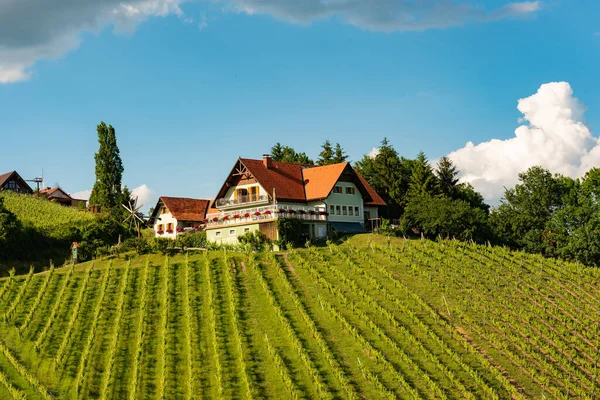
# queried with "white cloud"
point(83, 195)
point(144, 195)
point(373, 153)
point(35, 30)
point(554, 136)
point(386, 15)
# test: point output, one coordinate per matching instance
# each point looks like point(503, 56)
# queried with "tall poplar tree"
point(107, 193)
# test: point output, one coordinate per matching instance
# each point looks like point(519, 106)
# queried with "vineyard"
point(371, 318)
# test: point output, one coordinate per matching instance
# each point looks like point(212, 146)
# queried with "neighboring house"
point(173, 215)
point(13, 181)
point(258, 192)
point(58, 195)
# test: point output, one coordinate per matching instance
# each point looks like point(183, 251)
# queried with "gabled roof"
point(285, 178)
point(51, 192)
point(319, 181)
point(183, 208)
point(13, 174)
point(295, 182)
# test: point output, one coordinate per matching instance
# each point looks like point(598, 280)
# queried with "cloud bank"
point(143, 193)
point(553, 135)
point(34, 30)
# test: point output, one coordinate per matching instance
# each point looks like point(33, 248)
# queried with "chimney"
point(268, 161)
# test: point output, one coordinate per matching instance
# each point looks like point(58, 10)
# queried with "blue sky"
point(190, 86)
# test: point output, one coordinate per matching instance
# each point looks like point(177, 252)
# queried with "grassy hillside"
point(370, 318)
point(51, 219)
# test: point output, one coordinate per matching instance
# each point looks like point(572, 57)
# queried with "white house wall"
point(164, 220)
point(342, 200)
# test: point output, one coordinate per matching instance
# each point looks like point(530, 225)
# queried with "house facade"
point(12, 181)
point(257, 193)
point(175, 215)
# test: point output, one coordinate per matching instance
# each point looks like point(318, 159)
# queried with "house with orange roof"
point(258, 192)
point(175, 215)
point(57, 195)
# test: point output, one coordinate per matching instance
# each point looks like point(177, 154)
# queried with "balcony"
point(240, 200)
point(264, 214)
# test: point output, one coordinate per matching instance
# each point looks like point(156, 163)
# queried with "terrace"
point(245, 199)
point(264, 214)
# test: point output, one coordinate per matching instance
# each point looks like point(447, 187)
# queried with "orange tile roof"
point(285, 178)
point(186, 209)
point(319, 181)
point(377, 200)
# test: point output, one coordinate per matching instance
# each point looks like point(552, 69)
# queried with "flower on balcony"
point(179, 229)
point(198, 228)
point(323, 213)
point(291, 211)
point(301, 212)
point(281, 210)
point(215, 219)
point(160, 232)
point(268, 212)
point(247, 215)
point(311, 212)
point(236, 216)
point(205, 221)
point(257, 213)
point(226, 218)
point(169, 230)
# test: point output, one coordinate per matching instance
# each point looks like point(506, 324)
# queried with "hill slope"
point(369, 318)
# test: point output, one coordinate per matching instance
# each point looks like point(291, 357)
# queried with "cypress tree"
point(106, 192)
point(447, 175)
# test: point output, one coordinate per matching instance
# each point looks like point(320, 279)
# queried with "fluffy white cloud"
point(553, 135)
point(144, 195)
point(32, 30)
point(83, 195)
point(373, 153)
point(386, 15)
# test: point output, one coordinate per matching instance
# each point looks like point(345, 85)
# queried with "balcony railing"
point(263, 214)
point(251, 198)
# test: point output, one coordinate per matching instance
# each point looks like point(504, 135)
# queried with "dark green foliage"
point(106, 192)
point(255, 241)
point(289, 231)
point(447, 176)
point(329, 155)
point(422, 180)
point(161, 245)
point(140, 245)
point(100, 232)
point(10, 233)
point(288, 154)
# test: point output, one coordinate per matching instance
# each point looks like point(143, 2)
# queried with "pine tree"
point(107, 193)
point(447, 176)
point(339, 155)
point(326, 155)
point(422, 179)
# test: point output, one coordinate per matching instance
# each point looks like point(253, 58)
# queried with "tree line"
point(544, 213)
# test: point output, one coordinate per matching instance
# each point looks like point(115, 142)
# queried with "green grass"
point(370, 318)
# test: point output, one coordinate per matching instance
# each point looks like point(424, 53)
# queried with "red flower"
point(236, 216)
point(225, 218)
point(292, 211)
point(169, 230)
point(215, 219)
point(281, 210)
point(323, 213)
point(179, 229)
point(268, 212)
point(160, 232)
point(247, 215)
point(257, 213)
point(205, 221)
point(311, 212)
point(301, 212)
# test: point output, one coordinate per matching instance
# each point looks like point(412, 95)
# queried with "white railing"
point(266, 213)
point(251, 198)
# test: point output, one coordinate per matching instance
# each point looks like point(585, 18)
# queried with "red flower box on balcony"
point(169, 230)
point(226, 218)
point(301, 212)
point(268, 212)
point(160, 232)
point(204, 221)
point(291, 211)
point(179, 229)
point(247, 215)
point(236, 216)
point(215, 219)
point(257, 213)
point(323, 213)
point(311, 212)
point(281, 210)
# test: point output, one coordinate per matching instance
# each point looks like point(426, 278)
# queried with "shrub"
point(161, 245)
point(140, 245)
point(255, 241)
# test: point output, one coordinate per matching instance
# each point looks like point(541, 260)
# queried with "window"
point(344, 210)
point(337, 189)
point(246, 230)
point(169, 226)
point(338, 210)
point(350, 210)
point(356, 211)
point(332, 209)
point(253, 193)
point(232, 232)
point(189, 224)
point(161, 227)
point(163, 210)
point(350, 190)
point(218, 233)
